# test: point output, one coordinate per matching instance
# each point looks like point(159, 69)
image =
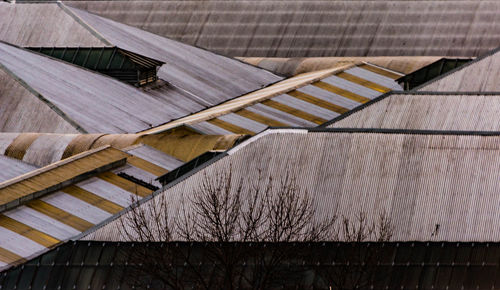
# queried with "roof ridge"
point(51, 105)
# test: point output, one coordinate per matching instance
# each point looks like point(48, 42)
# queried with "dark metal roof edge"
point(391, 131)
point(474, 61)
point(151, 196)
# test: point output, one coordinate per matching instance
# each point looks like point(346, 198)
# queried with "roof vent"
point(115, 62)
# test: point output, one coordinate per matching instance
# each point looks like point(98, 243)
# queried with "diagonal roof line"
point(474, 61)
point(52, 106)
point(87, 26)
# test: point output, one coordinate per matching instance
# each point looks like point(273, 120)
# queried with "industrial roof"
point(412, 265)
point(479, 75)
point(419, 178)
point(305, 100)
point(47, 206)
point(316, 28)
point(427, 111)
point(44, 149)
point(196, 78)
point(10, 168)
point(296, 65)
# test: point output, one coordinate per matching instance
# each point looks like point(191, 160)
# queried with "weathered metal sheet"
point(156, 157)
point(316, 28)
point(10, 168)
point(306, 100)
point(480, 75)
point(209, 76)
point(419, 180)
point(448, 112)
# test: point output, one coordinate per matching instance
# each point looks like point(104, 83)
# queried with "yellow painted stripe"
point(293, 111)
point(380, 71)
point(230, 127)
point(259, 118)
point(27, 231)
point(125, 184)
point(146, 166)
point(60, 215)
point(363, 82)
point(92, 199)
point(8, 257)
point(341, 92)
point(318, 102)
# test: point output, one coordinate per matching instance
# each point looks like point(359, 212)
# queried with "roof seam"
point(389, 131)
point(85, 25)
point(44, 100)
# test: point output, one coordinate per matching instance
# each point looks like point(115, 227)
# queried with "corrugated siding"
point(10, 168)
point(428, 112)
point(21, 111)
point(307, 106)
point(420, 180)
point(21, 25)
point(118, 108)
point(297, 65)
point(211, 77)
point(479, 76)
point(316, 28)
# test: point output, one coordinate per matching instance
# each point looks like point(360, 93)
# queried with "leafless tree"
point(236, 220)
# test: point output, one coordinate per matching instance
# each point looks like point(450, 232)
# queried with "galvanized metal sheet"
point(288, 119)
point(10, 168)
point(329, 97)
point(351, 87)
point(243, 122)
point(374, 77)
point(210, 129)
point(107, 191)
point(156, 157)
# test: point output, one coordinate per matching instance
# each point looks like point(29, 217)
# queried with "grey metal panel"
point(352, 87)
point(200, 72)
point(375, 78)
point(10, 168)
point(243, 122)
point(478, 76)
point(210, 129)
point(419, 180)
point(316, 28)
point(118, 107)
point(275, 114)
point(305, 106)
point(156, 157)
point(329, 97)
point(42, 25)
point(139, 174)
point(107, 191)
point(428, 112)
point(18, 244)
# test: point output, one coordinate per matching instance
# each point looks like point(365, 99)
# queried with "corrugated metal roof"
point(412, 265)
point(306, 100)
point(316, 28)
point(44, 149)
point(420, 179)
point(297, 65)
point(453, 111)
point(44, 207)
point(211, 77)
point(22, 25)
point(479, 75)
point(119, 108)
point(10, 168)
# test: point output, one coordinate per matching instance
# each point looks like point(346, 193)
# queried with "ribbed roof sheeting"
point(10, 168)
point(306, 100)
point(62, 200)
point(480, 75)
point(21, 110)
point(22, 25)
point(419, 180)
point(297, 65)
point(472, 112)
point(316, 28)
point(95, 102)
point(209, 76)
point(44, 149)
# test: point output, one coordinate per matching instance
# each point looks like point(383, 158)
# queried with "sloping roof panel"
point(10, 168)
point(420, 179)
point(316, 28)
point(200, 72)
point(448, 112)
